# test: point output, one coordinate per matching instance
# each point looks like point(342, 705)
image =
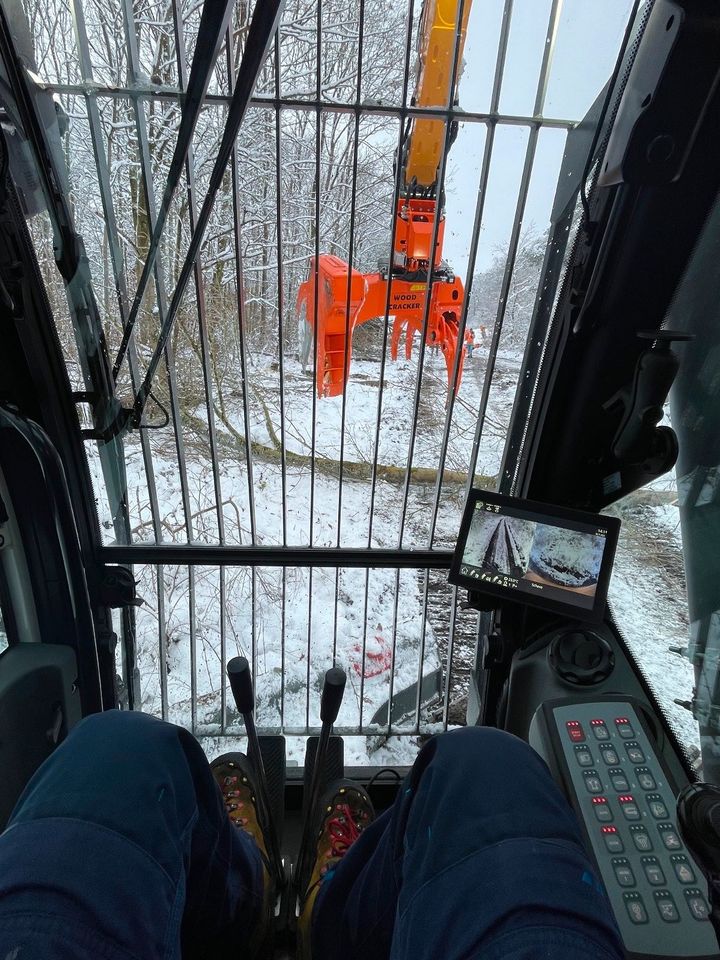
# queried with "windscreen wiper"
point(263, 25)
point(213, 26)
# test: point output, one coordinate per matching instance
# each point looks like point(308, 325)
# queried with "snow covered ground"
point(292, 623)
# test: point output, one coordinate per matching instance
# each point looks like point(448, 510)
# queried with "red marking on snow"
point(378, 657)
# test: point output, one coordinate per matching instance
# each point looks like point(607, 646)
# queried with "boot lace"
point(343, 831)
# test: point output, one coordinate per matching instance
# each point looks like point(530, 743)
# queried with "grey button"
point(641, 839)
point(613, 842)
point(625, 730)
point(658, 809)
point(645, 779)
point(610, 756)
point(593, 783)
point(623, 873)
point(630, 811)
point(603, 812)
point(635, 754)
point(635, 908)
point(670, 839)
point(666, 907)
point(583, 756)
point(653, 871)
point(698, 904)
point(600, 731)
point(619, 781)
point(683, 871)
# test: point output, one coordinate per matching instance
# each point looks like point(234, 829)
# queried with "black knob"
point(238, 670)
point(581, 657)
point(332, 694)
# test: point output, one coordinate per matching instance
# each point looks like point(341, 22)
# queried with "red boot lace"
point(342, 830)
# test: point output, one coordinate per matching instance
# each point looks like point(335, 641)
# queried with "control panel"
point(604, 758)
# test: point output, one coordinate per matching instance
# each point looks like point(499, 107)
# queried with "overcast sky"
point(586, 49)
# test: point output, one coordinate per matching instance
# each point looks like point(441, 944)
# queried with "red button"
point(575, 731)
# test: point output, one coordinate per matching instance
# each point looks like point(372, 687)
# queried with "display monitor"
point(536, 554)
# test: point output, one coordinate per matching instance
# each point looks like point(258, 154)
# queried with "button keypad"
point(628, 809)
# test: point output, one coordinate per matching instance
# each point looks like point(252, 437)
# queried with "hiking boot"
point(342, 815)
point(235, 775)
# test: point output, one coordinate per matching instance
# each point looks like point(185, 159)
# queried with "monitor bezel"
point(550, 514)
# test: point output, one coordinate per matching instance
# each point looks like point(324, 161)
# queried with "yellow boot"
point(343, 814)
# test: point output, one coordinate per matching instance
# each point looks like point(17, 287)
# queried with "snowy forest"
point(239, 448)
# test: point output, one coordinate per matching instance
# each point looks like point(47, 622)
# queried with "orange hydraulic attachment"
point(367, 299)
point(347, 298)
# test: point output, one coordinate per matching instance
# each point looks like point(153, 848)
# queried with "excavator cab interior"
point(230, 499)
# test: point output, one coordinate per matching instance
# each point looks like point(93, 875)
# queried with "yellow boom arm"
point(438, 26)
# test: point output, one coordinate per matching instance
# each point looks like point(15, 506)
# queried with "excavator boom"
point(438, 30)
point(417, 273)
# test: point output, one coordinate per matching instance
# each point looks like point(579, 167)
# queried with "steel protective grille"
point(257, 516)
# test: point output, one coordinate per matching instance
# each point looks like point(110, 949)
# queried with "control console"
point(603, 756)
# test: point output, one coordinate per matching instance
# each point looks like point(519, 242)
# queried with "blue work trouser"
point(120, 848)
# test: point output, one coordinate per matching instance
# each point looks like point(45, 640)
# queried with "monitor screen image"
point(511, 546)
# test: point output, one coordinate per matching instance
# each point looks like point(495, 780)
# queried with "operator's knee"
point(488, 752)
point(480, 774)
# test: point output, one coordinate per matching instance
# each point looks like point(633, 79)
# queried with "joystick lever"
point(241, 684)
point(698, 813)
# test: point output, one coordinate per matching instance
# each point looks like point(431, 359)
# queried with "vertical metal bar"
point(162, 652)
point(193, 647)
point(316, 277)
point(253, 626)
point(223, 652)
point(423, 633)
point(241, 311)
point(346, 353)
point(281, 293)
point(111, 232)
point(316, 282)
point(200, 287)
point(391, 684)
point(364, 649)
point(307, 683)
point(149, 198)
point(449, 659)
point(282, 648)
point(543, 79)
point(474, 244)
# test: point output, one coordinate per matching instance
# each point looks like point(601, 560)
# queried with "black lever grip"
point(238, 670)
point(332, 694)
